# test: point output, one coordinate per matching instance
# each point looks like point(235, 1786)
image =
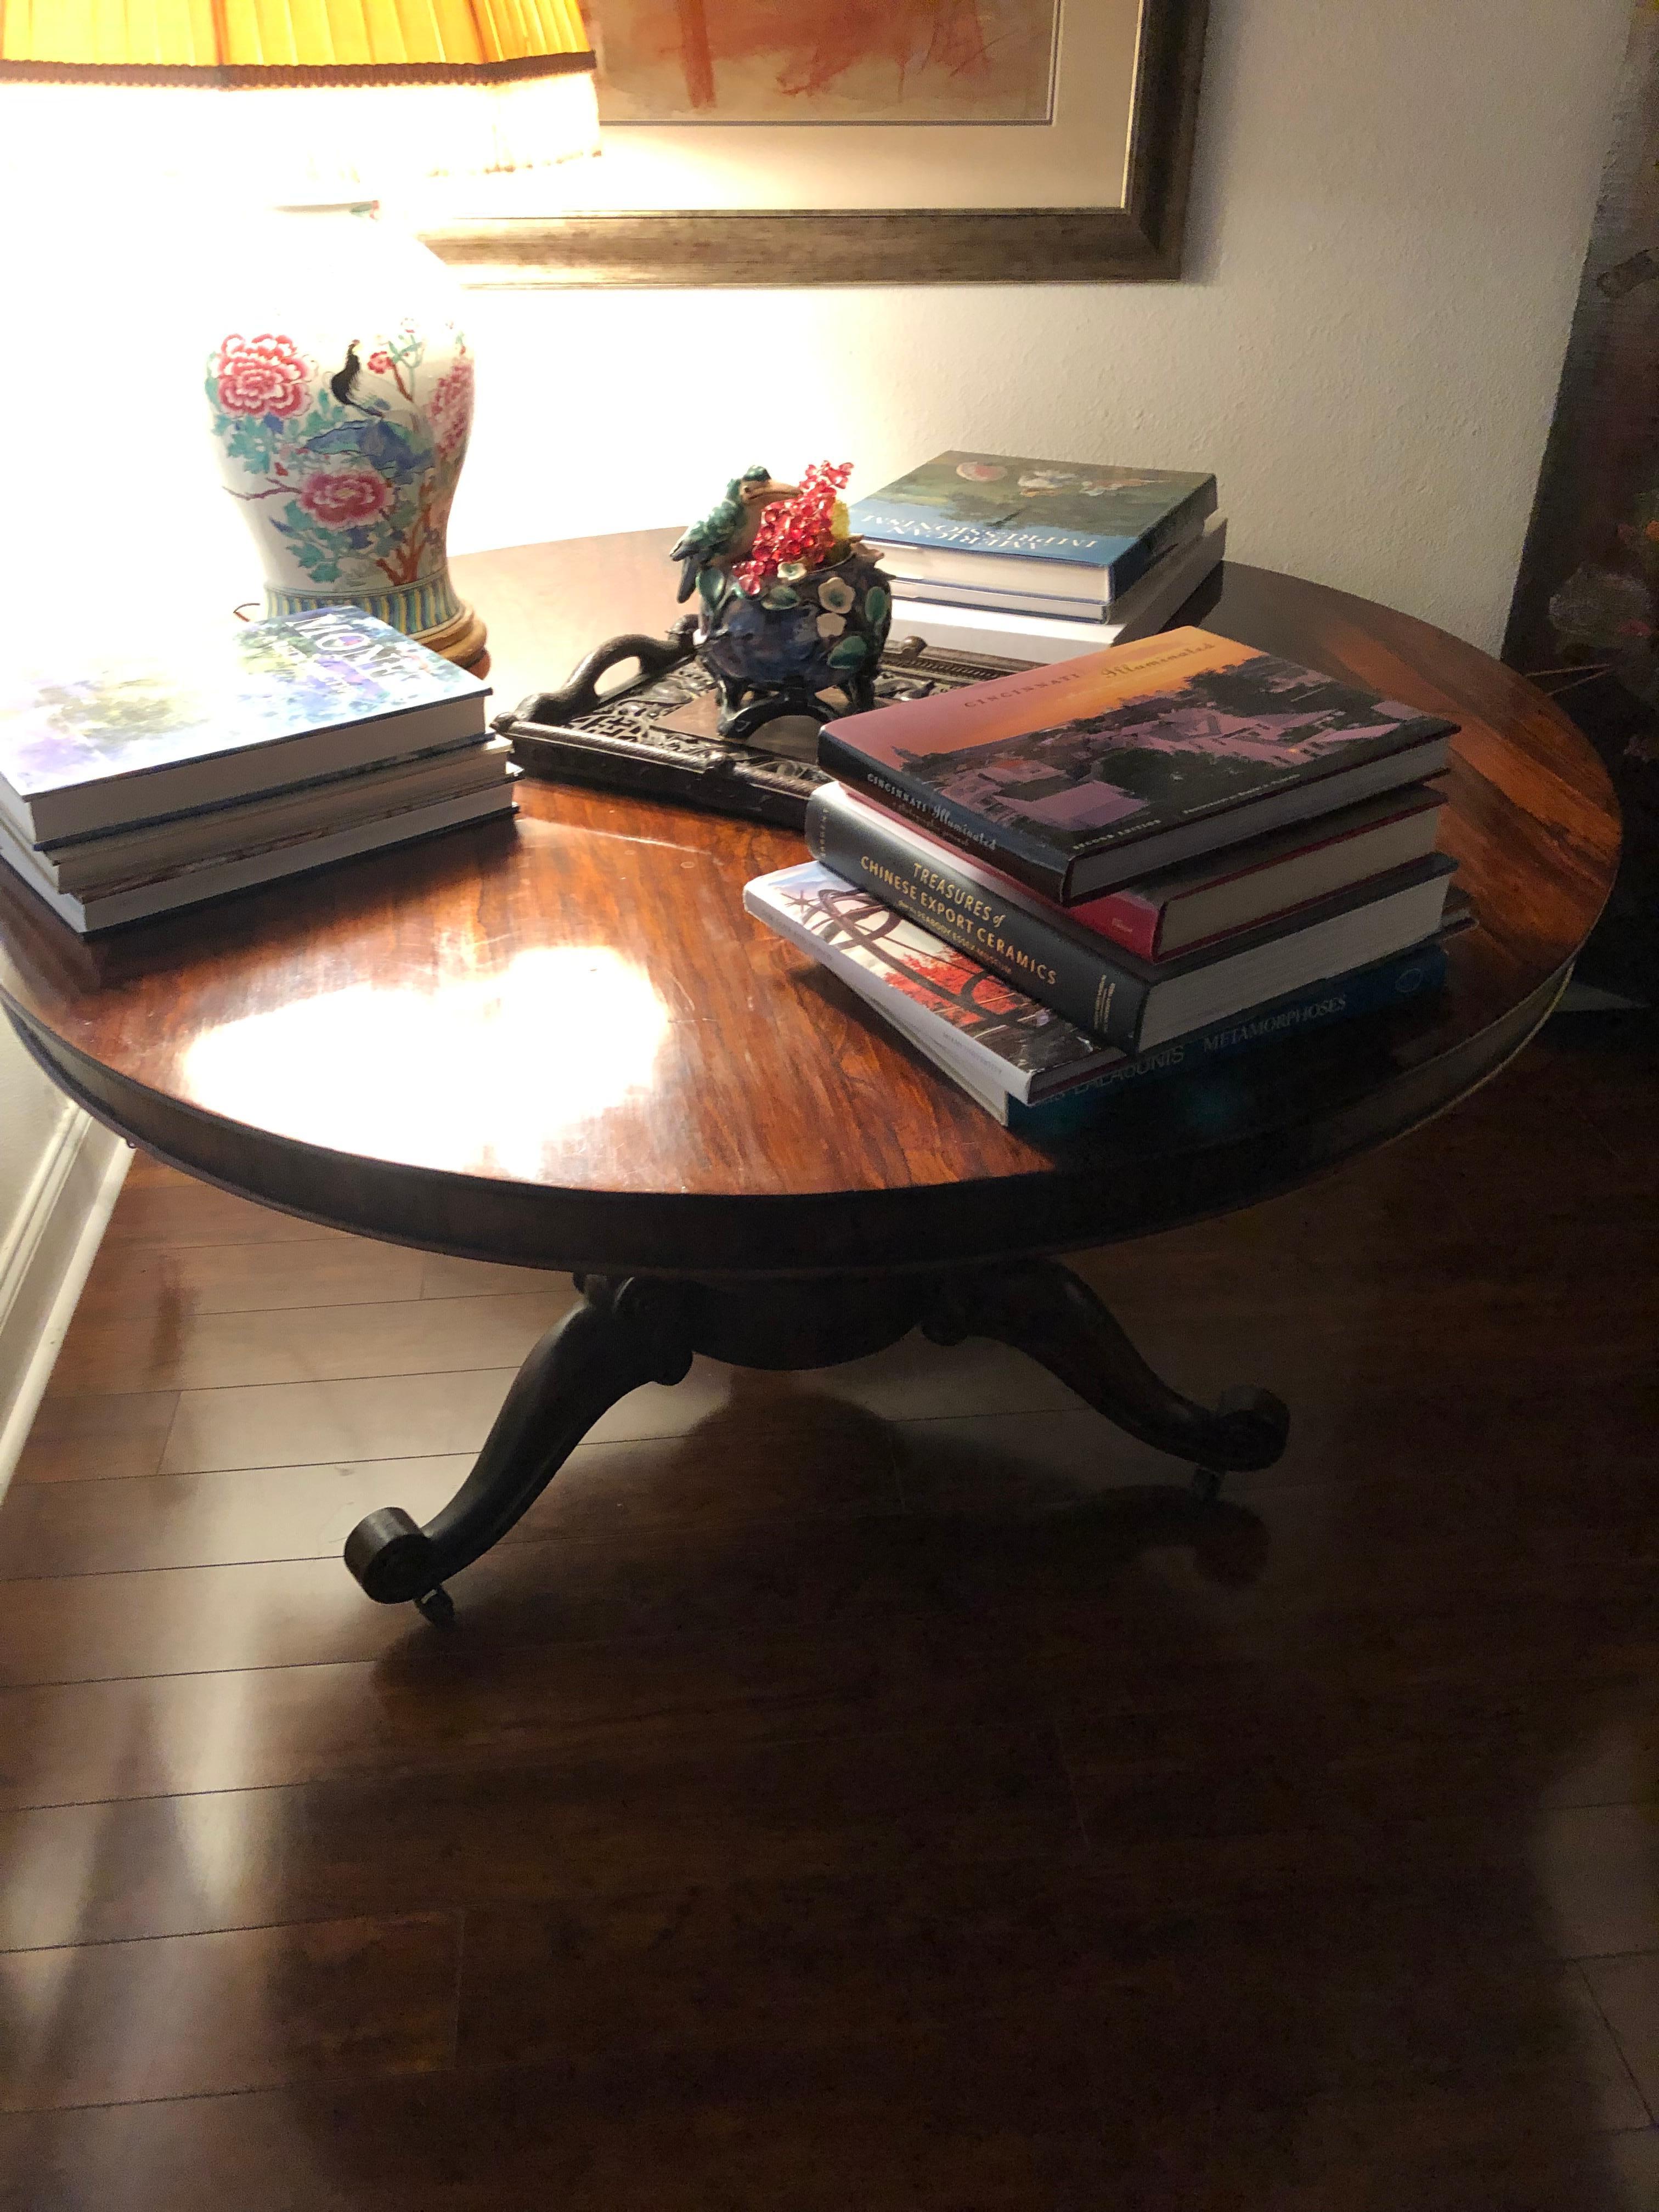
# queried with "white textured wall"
point(1391, 209)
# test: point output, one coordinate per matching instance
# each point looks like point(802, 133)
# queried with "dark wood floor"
point(883, 1788)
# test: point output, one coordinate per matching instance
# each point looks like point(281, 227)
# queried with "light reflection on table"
point(557, 1035)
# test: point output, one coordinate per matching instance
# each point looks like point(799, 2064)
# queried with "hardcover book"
point(1027, 627)
point(201, 880)
point(1019, 1058)
point(1133, 1004)
point(1081, 775)
point(1195, 904)
point(1089, 530)
point(123, 859)
point(256, 707)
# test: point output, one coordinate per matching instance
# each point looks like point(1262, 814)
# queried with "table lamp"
point(339, 377)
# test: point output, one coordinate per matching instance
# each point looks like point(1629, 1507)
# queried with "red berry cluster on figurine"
point(797, 533)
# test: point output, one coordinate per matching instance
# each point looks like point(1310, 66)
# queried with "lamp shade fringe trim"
point(283, 35)
point(229, 77)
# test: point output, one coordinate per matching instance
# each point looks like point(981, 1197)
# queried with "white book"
point(1143, 608)
point(123, 859)
point(189, 886)
point(1019, 1060)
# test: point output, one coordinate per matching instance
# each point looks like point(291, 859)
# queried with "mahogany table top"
point(561, 1041)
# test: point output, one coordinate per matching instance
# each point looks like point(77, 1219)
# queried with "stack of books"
point(132, 788)
point(1060, 881)
point(1039, 560)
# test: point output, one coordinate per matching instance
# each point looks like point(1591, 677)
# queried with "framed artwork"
point(902, 142)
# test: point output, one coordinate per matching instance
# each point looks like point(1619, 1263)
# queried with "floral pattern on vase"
point(347, 467)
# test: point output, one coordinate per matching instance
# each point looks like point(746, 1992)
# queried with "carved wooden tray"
point(654, 735)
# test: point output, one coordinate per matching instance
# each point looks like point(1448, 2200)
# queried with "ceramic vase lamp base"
point(339, 383)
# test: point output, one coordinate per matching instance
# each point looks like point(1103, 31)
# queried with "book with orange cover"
point(1089, 773)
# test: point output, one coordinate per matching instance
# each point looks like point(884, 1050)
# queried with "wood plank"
point(632, 1541)
point(442, 1277)
point(301, 1423)
point(112, 1349)
point(534, 2139)
point(183, 1210)
point(97, 1439)
point(1627, 1992)
point(420, 1414)
point(1001, 2127)
point(457, 1708)
point(763, 1581)
point(185, 1279)
point(196, 2015)
point(838, 1980)
point(1595, 1874)
point(167, 1520)
point(537, 2138)
point(785, 1459)
point(147, 1170)
point(652, 1806)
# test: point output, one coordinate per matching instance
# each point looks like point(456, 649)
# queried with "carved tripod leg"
point(625, 1334)
point(1041, 1308)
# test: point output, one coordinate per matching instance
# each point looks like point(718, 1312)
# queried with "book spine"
point(1015, 856)
point(1182, 522)
point(1409, 975)
point(1128, 918)
point(1047, 963)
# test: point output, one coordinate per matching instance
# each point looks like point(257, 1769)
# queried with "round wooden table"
point(561, 1042)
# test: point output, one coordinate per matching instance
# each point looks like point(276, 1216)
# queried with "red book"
point(1197, 901)
point(1192, 903)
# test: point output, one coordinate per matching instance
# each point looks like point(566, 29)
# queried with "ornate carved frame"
point(884, 245)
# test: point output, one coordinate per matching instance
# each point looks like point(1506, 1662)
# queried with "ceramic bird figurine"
point(726, 532)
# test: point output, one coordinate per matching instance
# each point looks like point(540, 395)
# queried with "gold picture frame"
point(1138, 239)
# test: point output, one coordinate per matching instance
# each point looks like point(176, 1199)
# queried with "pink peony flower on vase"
point(379, 361)
point(263, 375)
point(344, 495)
point(452, 407)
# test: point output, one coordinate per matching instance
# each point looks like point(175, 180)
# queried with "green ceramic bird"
point(727, 531)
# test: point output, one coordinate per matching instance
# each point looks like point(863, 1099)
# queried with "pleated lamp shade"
point(454, 87)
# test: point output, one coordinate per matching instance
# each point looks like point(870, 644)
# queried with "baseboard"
point(43, 1262)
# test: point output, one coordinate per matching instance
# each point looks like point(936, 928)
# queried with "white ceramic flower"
point(791, 571)
point(832, 625)
point(835, 593)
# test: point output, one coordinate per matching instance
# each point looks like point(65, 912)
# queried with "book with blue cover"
point(1076, 530)
point(254, 707)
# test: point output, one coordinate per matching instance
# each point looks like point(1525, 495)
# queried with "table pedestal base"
point(647, 1330)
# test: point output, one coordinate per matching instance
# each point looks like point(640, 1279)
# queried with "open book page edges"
point(1112, 745)
point(907, 957)
point(245, 685)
